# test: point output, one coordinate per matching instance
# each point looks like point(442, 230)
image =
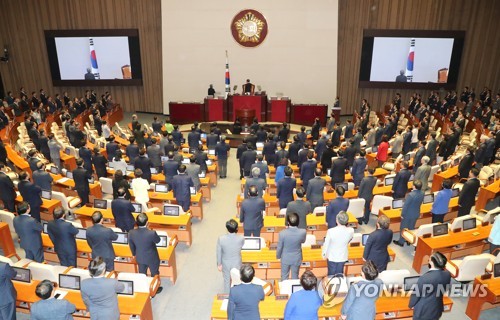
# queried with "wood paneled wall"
point(22, 25)
point(480, 57)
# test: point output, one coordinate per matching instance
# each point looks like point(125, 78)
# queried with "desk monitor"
point(193, 150)
point(192, 190)
point(185, 161)
point(45, 225)
point(398, 203)
point(202, 174)
point(67, 151)
point(444, 166)
point(137, 207)
point(364, 238)
point(406, 157)
point(259, 152)
point(154, 171)
point(169, 210)
point(100, 204)
point(412, 177)
point(161, 188)
point(122, 238)
point(208, 162)
point(91, 180)
point(456, 161)
point(469, 224)
point(54, 170)
point(203, 136)
point(211, 152)
point(343, 185)
point(70, 282)
point(92, 140)
point(410, 283)
point(82, 234)
point(455, 192)
point(164, 158)
point(374, 149)
point(251, 243)
point(69, 174)
point(429, 198)
point(296, 287)
point(47, 194)
point(389, 181)
point(128, 287)
point(259, 144)
point(496, 270)
point(440, 229)
point(130, 167)
point(103, 145)
point(23, 275)
point(163, 242)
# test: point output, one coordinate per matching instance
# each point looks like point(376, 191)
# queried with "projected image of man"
point(401, 77)
point(89, 75)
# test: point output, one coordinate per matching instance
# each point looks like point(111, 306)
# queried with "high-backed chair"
point(412, 235)
point(106, 187)
point(380, 202)
point(394, 277)
point(82, 273)
point(67, 203)
point(487, 216)
point(41, 271)
point(310, 240)
point(321, 209)
point(434, 170)
point(8, 217)
point(285, 287)
point(457, 223)
point(357, 207)
point(469, 268)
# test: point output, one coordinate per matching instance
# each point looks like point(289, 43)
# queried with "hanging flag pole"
point(409, 63)
point(93, 59)
point(228, 78)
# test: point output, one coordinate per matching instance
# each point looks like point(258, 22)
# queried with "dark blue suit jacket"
point(9, 293)
point(143, 163)
point(81, 177)
point(62, 234)
point(7, 187)
point(193, 139)
point(142, 242)
point(429, 305)
point(100, 240)
point(170, 168)
point(376, 248)
point(358, 169)
point(400, 185)
point(411, 208)
point(180, 186)
point(307, 172)
point(111, 148)
point(332, 210)
point(132, 152)
point(30, 193)
point(284, 190)
point(337, 172)
point(86, 156)
point(177, 137)
point(251, 213)
point(122, 212)
point(244, 302)
point(29, 231)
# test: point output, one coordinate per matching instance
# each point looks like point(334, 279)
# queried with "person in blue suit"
point(42, 178)
point(362, 295)
point(100, 240)
point(9, 293)
point(181, 186)
point(358, 168)
point(144, 163)
point(411, 210)
point(377, 244)
point(304, 304)
point(142, 242)
point(244, 298)
point(400, 184)
point(284, 188)
point(48, 308)
point(62, 233)
point(111, 147)
point(30, 193)
point(86, 155)
point(251, 213)
point(122, 211)
point(440, 206)
point(132, 150)
point(335, 206)
point(307, 169)
point(30, 232)
point(428, 303)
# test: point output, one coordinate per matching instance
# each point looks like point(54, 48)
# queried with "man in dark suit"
point(358, 168)
point(289, 249)
point(335, 206)
point(401, 77)
point(62, 234)
point(30, 232)
point(100, 240)
point(366, 192)
point(142, 242)
point(264, 169)
point(248, 158)
point(410, 211)
point(212, 140)
point(239, 152)
point(269, 151)
point(300, 207)
point(221, 150)
point(282, 154)
point(81, 178)
point(284, 188)
point(293, 149)
point(336, 134)
point(122, 211)
point(100, 163)
point(348, 130)
point(303, 155)
point(244, 298)
point(86, 156)
point(132, 150)
point(177, 135)
point(254, 180)
point(407, 140)
point(144, 163)
point(321, 146)
point(467, 197)
point(30, 193)
point(42, 178)
point(247, 87)
point(427, 300)
point(400, 184)
point(339, 166)
point(9, 293)
point(284, 132)
point(170, 167)
point(431, 149)
point(33, 160)
point(251, 213)
point(377, 244)
point(111, 147)
point(417, 160)
point(201, 158)
point(181, 185)
point(154, 154)
point(8, 194)
point(78, 136)
point(466, 163)
point(326, 157)
point(261, 134)
point(193, 138)
point(315, 190)
point(307, 169)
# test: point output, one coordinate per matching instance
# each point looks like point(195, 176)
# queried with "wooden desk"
point(158, 198)
point(271, 308)
point(67, 187)
point(267, 266)
point(452, 245)
point(138, 304)
point(487, 193)
point(179, 226)
point(441, 176)
point(6, 240)
point(68, 161)
point(490, 300)
point(47, 205)
point(18, 161)
point(272, 205)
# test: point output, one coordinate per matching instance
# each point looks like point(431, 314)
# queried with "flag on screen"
point(409, 63)
point(93, 59)
point(228, 78)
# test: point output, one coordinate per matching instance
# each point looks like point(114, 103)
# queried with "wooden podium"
point(257, 103)
point(215, 109)
point(279, 110)
point(6, 240)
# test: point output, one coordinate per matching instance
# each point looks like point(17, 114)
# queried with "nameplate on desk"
point(221, 296)
point(457, 230)
point(426, 235)
point(315, 246)
point(389, 315)
point(281, 297)
point(312, 227)
point(269, 229)
point(320, 214)
point(305, 264)
point(349, 261)
point(355, 244)
point(263, 265)
point(485, 276)
point(485, 223)
point(182, 227)
point(280, 216)
point(164, 262)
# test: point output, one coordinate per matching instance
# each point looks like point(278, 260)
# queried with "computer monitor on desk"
point(100, 203)
point(364, 239)
point(455, 192)
point(429, 198)
point(137, 207)
point(296, 287)
point(169, 210)
point(69, 174)
point(202, 174)
point(130, 168)
point(211, 152)
point(128, 287)
point(398, 203)
point(440, 229)
point(343, 185)
point(47, 194)
point(122, 238)
point(163, 188)
point(82, 234)
point(469, 224)
point(406, 157)
point(410, 283)
point(163, 242)
point(44, 226)
point(389, 181)
point(23, 275)
point(251, 243)
point(54, 170)
point(70, 282)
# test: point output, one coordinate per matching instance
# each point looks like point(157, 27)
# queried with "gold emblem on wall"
point(249, 28)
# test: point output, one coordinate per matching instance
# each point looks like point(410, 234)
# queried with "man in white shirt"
point(106, 131)
point(140, 188)
point(414, 137)
point(335, 248)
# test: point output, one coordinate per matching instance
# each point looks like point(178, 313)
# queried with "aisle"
point(198, 278)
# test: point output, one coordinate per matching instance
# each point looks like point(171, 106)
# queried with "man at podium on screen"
point(248, 88)
point(89, 75)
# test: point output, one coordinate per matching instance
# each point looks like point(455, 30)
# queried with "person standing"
point(440, 206)
point(300, 207)
point(100, 163)
point(466, 163)
point(400, 184)
point(81, 178)
point(221, 151)
point(315, 190)
point(181, 186)
point(289, 249)
point(431, 150)
point(100, 240)
point(307, 169)
point(8, 194)
point(132, 151)
point(467, 197)
point(494, 237)
point(49, 308)
point(62, 233)
point(358, 168)
point(335, 248)
point(366, 192)
point(244, 298)
point(171, 167)
point(410, 211)
point(193, 171)
point(99, 293)
point(251, 213)
point(383, 150)
point(229, 252)
point(304, 304)
point(144, 163)
point(140, 188)
point(284, 188)
point(154, 154)
point(122, 209)
point(335, 206)
point(255, 181)
point(9, 293)
point(339, 166)
point(376, 247)
point(31, 194)
point(262, 165)
point(423, 172)
point(42, 178)
point(30, 233)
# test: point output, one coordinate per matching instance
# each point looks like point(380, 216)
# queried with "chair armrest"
point(276, 288)
point(174, 241)
point(154, 285)
point(67, 270)
point(268, 289)
point(409, 236)
point(112, 274)
point(14, 255)
point(452, 268)
point(73, 202)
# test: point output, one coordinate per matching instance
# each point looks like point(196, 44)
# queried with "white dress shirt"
point(336, 244)
point(140, 187)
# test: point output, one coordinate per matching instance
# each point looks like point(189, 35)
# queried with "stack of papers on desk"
point(62, 180)
point(224, 304)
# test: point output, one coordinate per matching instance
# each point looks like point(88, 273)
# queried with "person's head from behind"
point(138, 173)
point(141, 220)
point(182, 168)
point(23, 208)
point(342, 218)
point(417, 185)
point(438, 261)
point(288, 171)
point(121, 192)
point(383, 222)
point(292, 219)
point(371, 171)
point(253, 191)
point(425, 160)
point(247, 273)
point(474, 172)
point(232, 226)
point(369, 270)
point(96, 217)
point(340, 191)
point(44, 289)
point(58, 213)
point(300, 192)
point(317, 172)
point(255, 172)
point(308, 281)
point(447, 184)
point(97, 267)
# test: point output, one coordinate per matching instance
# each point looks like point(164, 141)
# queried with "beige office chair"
point(357, 207)
point(379, 202)
point(469, 268)
point(394, 278)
